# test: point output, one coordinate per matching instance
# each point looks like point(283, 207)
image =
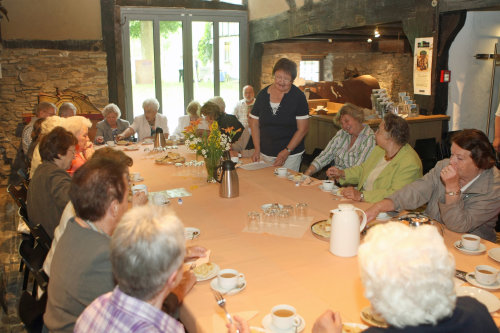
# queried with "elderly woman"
point(461, 192)
point(193, 114)
point(212, 112)
point(67, 110)
point(280, 119)
point(391, 165)
point(350, 146)
point(111, 125)
point(409, 282)
point(79, 126)
point(49, 186)
point(146, 124)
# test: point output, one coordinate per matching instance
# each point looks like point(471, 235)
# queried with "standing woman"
point(111, 125)
point(280, 119)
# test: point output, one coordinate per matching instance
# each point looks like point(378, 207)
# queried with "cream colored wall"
point(52, 20)
point(264, 8)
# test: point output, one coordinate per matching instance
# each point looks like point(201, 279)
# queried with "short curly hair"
point(56, 144)
point(398, 128)
point(287, 66)
point(479, 146)
point(211, 109)
point(111, 108)
point(352, 110)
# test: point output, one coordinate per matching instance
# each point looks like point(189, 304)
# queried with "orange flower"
point(189, 128)
point(238, 130)
point(229, 129)
point(196, 122)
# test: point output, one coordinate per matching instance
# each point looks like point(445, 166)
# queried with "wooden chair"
point(19, 193)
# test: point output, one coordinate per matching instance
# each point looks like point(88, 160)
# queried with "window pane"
point(236, 2)
point(229, 63)
point(142, 63)
point(203, 61)
point(172, 71)
point(309, 70)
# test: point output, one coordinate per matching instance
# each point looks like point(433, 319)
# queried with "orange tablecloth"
point(301, 272)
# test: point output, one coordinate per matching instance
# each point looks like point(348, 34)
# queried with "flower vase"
point(211, 163)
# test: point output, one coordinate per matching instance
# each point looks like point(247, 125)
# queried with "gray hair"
point(76, 124)
point(147, 247)
point(111, 107)
point(407, 274)
point(352, 110)
point(67, 109)
point(219, 102)
point(151, 103)
point(44, 106)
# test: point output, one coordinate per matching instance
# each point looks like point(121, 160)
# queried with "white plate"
point(266, 206)
point(210, 275)
point(214, 284)
point(268, 325)
point(481, 249)
point(383, 217)
point(131, 148)
point(354, 325)
point(472, 280)
point(334, 189)
point(254, 329)
point(190, 231)
point(483, 296)
point(494, 254)
point(367, 316)
point(292, 178)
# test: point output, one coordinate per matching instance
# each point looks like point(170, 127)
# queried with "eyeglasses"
point(282, 79)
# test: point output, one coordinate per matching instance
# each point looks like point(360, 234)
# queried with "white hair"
point(68, 109)
point(407, 274)
point(111, 107)
point(50, 123)
point(147, 247)
point(220, 103)
point(151, 103)
point(76, 124)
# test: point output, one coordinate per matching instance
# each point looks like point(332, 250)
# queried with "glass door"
point(203, 61)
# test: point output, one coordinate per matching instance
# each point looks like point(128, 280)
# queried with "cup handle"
point(363, 223)
point(241, 277)
point(276, 171)
point(297, 321)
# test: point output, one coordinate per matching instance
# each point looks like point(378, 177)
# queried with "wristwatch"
point(454, 193)
point(288, 149)
point(362, 197)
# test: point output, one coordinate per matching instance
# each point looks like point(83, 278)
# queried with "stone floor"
point(10, 277)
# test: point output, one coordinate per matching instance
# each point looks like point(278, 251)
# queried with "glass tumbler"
point(301, 210)
point(253, 221)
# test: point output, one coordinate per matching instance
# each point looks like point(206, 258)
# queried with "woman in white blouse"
point(146, 124)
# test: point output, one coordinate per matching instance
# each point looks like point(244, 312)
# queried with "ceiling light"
point(369, 40)
point(376, 33)
point(330, 40)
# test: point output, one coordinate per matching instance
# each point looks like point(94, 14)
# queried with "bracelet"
point(453, 193)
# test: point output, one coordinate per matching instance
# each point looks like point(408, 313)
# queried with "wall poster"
point(422, 66)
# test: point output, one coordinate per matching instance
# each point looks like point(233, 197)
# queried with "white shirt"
point(143, 129)
point(241, 111)
point(184, 122)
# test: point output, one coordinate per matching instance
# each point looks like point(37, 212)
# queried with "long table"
point(301, 272)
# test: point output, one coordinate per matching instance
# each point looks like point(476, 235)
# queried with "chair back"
point(19, 193)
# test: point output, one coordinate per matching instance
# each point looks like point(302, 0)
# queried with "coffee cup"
point(470, 242)
point(235, 159)
point(486, 274)
point(284, 317)
point(229, 279)
point(281, 172)
point(110, 143)
point(160, 199)
point(328, 185)
point(140, 188)
point(135, 176)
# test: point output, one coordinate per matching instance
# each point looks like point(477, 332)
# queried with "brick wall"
point(28, 72)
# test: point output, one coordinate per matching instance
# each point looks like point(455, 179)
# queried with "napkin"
point(309, 181)
point(203, 260)
point(219, 319)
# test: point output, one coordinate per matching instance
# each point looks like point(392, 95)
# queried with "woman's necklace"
point(394, 155)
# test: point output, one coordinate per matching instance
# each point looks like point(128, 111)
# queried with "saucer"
point(383, 217)
point(214, 284)
point(285, 176)
point(191, 233)
point(335, 188)
point(267, 322)
point(140, 179)
point(472, 280)
point(494, 254)
point(353, 327)
point(481, 249)
point(367, 317)
point(483, 296)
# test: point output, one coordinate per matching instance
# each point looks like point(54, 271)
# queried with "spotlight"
point(376, 33)
point(369, 40)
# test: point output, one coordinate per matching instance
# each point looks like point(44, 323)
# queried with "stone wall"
point(28, 72)
point(394, 71)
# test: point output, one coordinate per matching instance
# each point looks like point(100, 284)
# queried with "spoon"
point(195, 233)
point(238, 286)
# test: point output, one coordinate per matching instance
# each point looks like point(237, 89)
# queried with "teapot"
point(159, 140)
point(345, 230)
point(229, 187)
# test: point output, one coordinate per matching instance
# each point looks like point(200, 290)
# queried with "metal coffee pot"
point(159, 141)
point(226, 175)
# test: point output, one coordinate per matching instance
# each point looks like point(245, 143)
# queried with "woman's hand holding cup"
point(335, 173)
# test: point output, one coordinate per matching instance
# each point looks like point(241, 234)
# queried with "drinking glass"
point(253, 221)
point(283, 218)
point(301, 210)
point(290, 210)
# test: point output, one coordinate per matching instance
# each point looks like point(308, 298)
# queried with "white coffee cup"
point(328, 185)
point(284, 317)
point(282, 172)
point(135, 176)
point(110, 143)
point(470, 242)
point(140, 188)
point(235, 159)
point(229, 279)
point(486, 274)
point(160, 199)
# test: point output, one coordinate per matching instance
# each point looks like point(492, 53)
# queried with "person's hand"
point(233, 153)
point(351, 193)
point(99, 139)
point(310, 170)
point(119, 137)
point(89, 150)
point(328, 322)
point(195, 252)
point(281, 158)
point(334, 172)
point(496, 144)
point(256, 156)
point(185, 285)
point(139, 199)
point(238, 325)
point(372, 212)
point(449, 176)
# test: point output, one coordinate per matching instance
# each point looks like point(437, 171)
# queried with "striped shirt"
point(118, 312)
point(344, 157)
